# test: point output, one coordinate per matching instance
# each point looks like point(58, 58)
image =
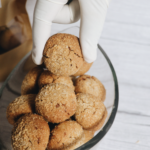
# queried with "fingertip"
point(89, 51)
point(37, 60)
point(89, 59)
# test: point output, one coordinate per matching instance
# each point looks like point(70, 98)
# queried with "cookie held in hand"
point(84, 68)
point(62, 54)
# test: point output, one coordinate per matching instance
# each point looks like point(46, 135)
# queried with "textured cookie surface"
point(91, 85)
point(84, 68)
point(90, 110)
point(31, 132)
point(65, 134)
point(55, 102)
point(47, 77)
point(87, 135)
point(20, 106)
point(101, 123)
point(30, 82)
point(62, 54)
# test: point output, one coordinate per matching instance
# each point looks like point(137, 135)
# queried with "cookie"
point(30, 82)
point(90, 110)
point(55, 102)
point(63, 80)
point(64, 135)
point(62, 54)
point(85, 68)
point(101, 123)
point(91, 85)
point(30, 132)
point(20, 106)
point(87, 135)
point(47, 77)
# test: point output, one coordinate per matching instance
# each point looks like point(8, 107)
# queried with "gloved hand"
point(91, 12)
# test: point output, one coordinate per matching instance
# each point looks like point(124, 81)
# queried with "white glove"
point(91, 12)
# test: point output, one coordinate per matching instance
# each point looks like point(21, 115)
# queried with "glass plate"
point(102, 69)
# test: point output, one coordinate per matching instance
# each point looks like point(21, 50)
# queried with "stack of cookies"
point(60, 107)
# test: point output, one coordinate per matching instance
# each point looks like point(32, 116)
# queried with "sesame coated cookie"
point(64, 135)
point(56, 102)
point(20, 106)
point(91, 85)
point(30, 132)
point(85, 67)
point(90, 110)
point(47, 77)
point(30, 82)
point(62, 54)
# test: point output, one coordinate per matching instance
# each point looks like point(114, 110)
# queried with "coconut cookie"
point(64, 135)
point(47, 77)
point(20, 106)
point(62, 54)
point(56, 102)
point(85, 67)
point(30, 132)
point(30, 82)
point(90, 110)
point(91, 85)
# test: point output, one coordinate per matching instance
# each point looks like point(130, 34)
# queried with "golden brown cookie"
point(64, 135)
point(101, 123)
point(30, 132)
point(91, 85)
point(47, 77)
point(20, 106)
point(87, 135)
point(30, 82)
point(62, 54)
point(90, 110)
point(56, 102)
point(85, 67)
point(63, 80)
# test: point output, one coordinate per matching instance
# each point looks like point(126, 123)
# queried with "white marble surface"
point(126, 40)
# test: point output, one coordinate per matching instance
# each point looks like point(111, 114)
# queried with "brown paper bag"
point(15, 35)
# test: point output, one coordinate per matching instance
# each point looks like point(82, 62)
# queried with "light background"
point(126, 40)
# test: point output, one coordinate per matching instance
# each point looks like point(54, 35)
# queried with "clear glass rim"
point(110, 121)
